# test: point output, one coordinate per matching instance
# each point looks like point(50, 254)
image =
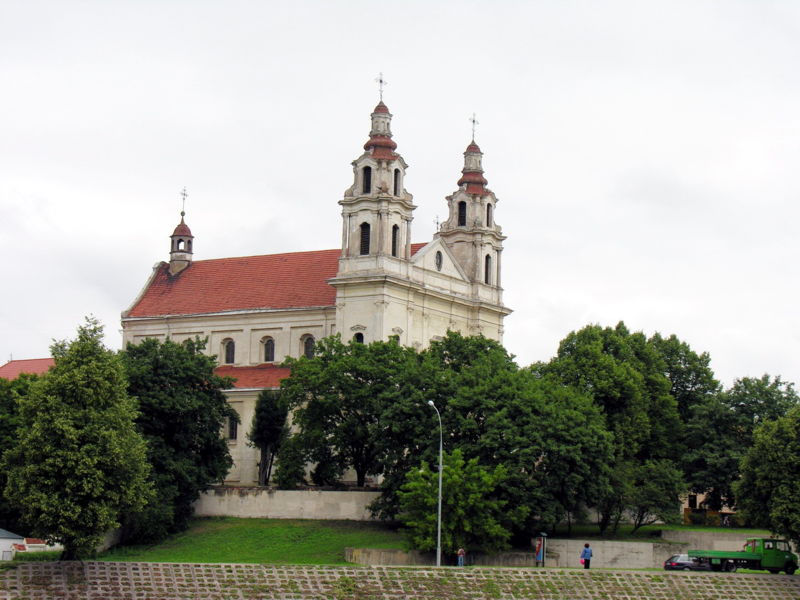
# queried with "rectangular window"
point(233, 428)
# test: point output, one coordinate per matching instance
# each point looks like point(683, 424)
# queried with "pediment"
point(426, 259)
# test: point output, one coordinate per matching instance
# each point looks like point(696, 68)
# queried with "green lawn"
point(274, 541)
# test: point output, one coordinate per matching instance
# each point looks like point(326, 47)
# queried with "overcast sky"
point(645, 154)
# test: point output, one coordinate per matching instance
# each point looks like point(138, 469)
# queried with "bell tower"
point(180, 250)
point(376, 209)
point(470, 231)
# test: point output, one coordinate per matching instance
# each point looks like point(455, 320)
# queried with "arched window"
point(188, 245)
point(358, 338)
point(487, 270)
point(397, 182)
point(488, 215)
point(395, 239)
point(230, 351)
point(233, 428)
point(366, 181)
point(269, 350)
point(180, 245)
point(365, 238)
point(308, 346)
point(462, 214)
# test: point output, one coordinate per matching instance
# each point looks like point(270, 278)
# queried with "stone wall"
point(711, 540)
point(560, 553)
point(268, 503)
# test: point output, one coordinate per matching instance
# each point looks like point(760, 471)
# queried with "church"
point(256, 310)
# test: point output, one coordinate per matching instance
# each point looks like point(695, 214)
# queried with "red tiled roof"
point(260, 376)
point(381, 108)
point(36, 366)
point(293, 280)
point(271, 281)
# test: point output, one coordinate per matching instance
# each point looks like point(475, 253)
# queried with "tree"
point(768, 493)
point(182, 411)
point(720, 432)
point(655, 494)
point(690, 375)
point(79, 465)
point(269, 430)
point(10, 394)
point(623, 373)
point(471, 511)
point(338, 397)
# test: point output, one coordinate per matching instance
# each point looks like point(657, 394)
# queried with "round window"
point(438, 261)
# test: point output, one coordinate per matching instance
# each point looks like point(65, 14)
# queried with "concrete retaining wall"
point(560, 553)
point(711, 540)
point(268, 503)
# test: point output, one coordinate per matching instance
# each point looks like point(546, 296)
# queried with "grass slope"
point(275, 541)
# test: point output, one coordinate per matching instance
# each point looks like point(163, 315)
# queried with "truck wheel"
point(790, 568)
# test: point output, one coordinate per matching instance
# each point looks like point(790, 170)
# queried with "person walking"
point(586, 555)
point(461, 555)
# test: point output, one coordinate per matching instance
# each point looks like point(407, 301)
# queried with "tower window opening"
point(487, 270)
point(488, 215)
point(230, 351)
point(395, 239)
point(366, 187)
point(364, 238)
point(188, 245)
point(358, 338)
point(180, 245)
point(397, 182)
point(462, 214)
point(308, 346)
point(269, 350)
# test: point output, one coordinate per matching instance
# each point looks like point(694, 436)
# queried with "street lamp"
point(439, 513)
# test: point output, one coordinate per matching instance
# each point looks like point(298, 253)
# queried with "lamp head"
point(430, 403)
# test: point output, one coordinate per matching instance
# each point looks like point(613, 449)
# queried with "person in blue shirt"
point(586, 555)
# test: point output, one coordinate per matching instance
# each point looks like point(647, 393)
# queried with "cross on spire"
point(474, 122)
point(183, 202)
point(381, 83)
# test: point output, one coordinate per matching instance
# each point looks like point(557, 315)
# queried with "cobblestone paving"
point(168, 581)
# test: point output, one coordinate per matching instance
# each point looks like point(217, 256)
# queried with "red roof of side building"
point(35, 366)
point(260, 376)
point(270, 281)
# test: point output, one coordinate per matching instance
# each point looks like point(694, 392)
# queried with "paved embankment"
point(165, 581)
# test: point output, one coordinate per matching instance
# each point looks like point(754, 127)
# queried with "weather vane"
point(183, 201)
point(381, 82)
point(474, 122)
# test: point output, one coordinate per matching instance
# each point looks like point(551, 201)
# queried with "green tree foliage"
point(623, 373)
point(269, 430)
point(10, 394)
point(655, 493)
point(338, 397)
point(720, 432)
point(690, 375)
point(79, 465)
point(182, 411)
point(768, 492)
point(471, 510)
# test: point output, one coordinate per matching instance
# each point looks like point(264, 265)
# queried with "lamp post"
point(439, 512)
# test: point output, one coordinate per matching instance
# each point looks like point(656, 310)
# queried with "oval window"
point(438, 261)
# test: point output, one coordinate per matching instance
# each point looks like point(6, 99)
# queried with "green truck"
point(765, 554)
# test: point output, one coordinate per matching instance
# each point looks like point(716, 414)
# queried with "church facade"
point(256, 310)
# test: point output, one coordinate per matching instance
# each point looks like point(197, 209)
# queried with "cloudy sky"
point(645, 154)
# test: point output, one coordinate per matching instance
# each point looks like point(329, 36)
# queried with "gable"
point(426, 259)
